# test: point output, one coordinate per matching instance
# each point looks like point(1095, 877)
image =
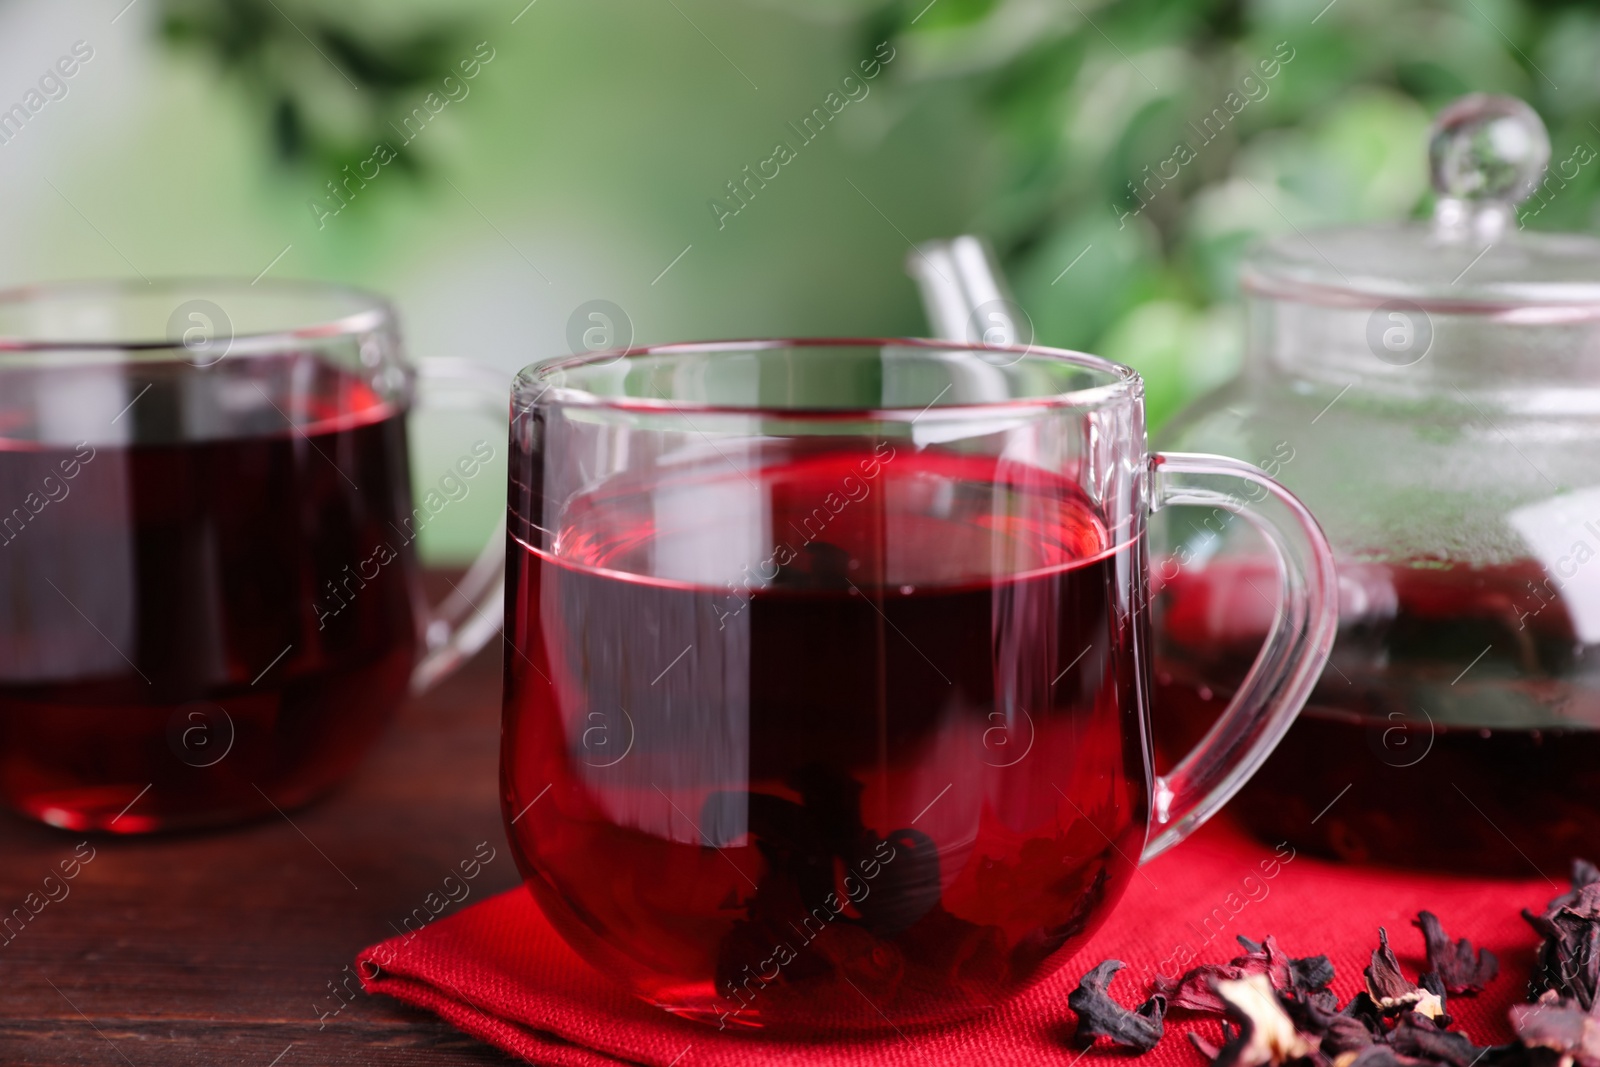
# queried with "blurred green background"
point(589, 155)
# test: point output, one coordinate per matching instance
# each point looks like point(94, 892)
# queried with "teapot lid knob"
point(1485, 153)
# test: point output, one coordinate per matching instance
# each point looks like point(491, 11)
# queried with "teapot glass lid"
point(1486, 154)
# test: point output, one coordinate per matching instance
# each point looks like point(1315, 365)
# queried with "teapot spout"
point(963, 293)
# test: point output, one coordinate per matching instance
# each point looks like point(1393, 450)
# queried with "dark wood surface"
point(224, 948)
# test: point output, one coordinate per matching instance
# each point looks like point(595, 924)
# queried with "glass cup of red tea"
point(210, 602)
point(827, 700)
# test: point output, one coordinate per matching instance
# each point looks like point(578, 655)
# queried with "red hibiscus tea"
point(844, 735)
point(1454, 728)
point(208, 600)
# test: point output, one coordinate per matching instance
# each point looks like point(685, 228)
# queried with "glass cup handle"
point(457, 628)
point(1291, 659)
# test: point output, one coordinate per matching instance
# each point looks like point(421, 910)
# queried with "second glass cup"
point(827, 701)
point(210, 602)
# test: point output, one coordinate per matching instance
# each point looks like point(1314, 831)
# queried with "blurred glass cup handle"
point(461, 624)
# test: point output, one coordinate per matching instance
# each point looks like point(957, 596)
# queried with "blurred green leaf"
point(326, 91)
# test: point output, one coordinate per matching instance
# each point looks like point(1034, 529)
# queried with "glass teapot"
point(1431, 390)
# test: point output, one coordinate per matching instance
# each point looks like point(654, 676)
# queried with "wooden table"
point(225, 948)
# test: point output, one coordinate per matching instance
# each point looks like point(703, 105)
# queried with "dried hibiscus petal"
point(1207, 1049)
point(1345, 1033)
point(1280, 1012)
point(1100, 1016)
point(1419, 1036)
point(1265, 958)
point(1432, 1004)
point(1375, 1056)
point(1561, 1025)
point(1388, 986)
point(1391, 993)
point(1196, 989)
point(1301, 976)
point(1460, 968)
point(1584, 875)
point(1569, 959)
point(1364, 1008)
point(1314, 1013)
point(1266, 1033)
point(1310, 974)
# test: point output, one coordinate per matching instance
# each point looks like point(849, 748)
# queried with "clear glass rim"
point(368, 311)
point(1124, 383)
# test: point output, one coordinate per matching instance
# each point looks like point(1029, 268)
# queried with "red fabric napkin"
point(498, 971)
